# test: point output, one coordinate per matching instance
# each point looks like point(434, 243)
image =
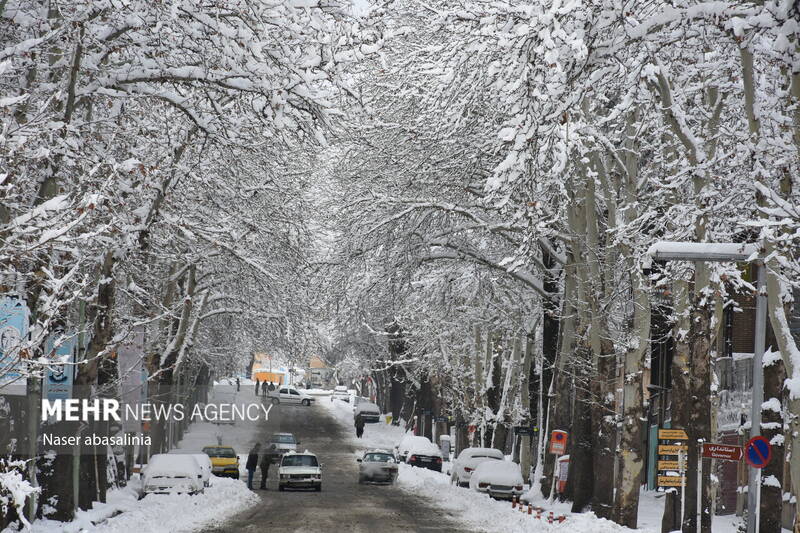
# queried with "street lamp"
point(721, 253)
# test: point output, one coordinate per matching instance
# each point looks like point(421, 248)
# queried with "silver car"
point(377, 465)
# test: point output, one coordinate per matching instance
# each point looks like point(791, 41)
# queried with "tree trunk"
point(771, 504)
point(581, 479)
point(631, 454)
point(604, 431)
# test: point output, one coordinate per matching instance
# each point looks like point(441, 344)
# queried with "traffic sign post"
point(725, 452)
point(758, 452)
point(558, 446)
point(558, 442)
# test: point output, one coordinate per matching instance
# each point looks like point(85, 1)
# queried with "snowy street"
point(343, 504)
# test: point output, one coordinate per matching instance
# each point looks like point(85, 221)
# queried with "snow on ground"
point(479, 512)
point(157, 513)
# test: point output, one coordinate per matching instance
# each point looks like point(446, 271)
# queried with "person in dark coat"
point(252, 463)
point(264, 389)
point(238, 384)
point(266, 461)
point(257, 384)
point(271, 386)
point(359, 426)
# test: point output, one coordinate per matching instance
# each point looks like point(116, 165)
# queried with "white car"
point(498, 479)
point(468, 460)
point(300, 471)
point(340, 393)
point(368, 411)
point(284, 442)
point(204, 462)
point(172, 474)
point(419, 451)
point(290, 395)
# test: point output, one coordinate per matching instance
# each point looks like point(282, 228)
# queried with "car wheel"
point(275, 401)
point(318, 488)
point(306, 402)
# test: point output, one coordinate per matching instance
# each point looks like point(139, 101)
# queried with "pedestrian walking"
point(257, 384)
point(266, 461)
point(359, 426)
point(252, 464)
point(238, 384)
point(271, 386)
point(264, 390)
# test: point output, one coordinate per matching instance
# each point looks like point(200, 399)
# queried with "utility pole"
point(754, 474)
point(734, 252)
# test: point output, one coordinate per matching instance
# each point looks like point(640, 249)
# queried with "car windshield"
point(283, 439)
point(379, 458)
point(299, 460)
point(228, 453)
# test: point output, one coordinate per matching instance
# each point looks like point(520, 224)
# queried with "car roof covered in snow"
point(378, 450)
point(501, 472)
point(477, 452)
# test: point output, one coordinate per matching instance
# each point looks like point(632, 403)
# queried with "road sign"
point(726, 452)
point(558, 442)
point(671, 481)
point(672, 449)
point(672, 434)
point(525, 430)
point(758, 452)
point(669, 465)
point(13, 334)
point(61, 370)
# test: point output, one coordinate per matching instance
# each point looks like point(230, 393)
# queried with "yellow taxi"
point(224, 461)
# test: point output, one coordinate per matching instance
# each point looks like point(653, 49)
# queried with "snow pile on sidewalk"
point(379, 435)
point(480, 512)
point(158, 513)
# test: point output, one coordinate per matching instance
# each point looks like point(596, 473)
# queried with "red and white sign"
point(558, 442)
point(722, 451)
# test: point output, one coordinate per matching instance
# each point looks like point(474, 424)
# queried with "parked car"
point(204, 461)
point(369, 412)
point(419, 451)
point(224, 461)
point(290, 395)
point(284, 442)
point(468, 460)
point(498, 479)
point(172, 474)
point(377, 465)
point(300, 471)
point(340, 393)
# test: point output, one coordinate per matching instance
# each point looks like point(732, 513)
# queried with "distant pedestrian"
point(266, 461)
point(238, 385)
point(252, 464)
point(264, 390)
point(257, 384)
point(359, 426)
point(271, 386)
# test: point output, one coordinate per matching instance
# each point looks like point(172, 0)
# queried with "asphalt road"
point(343, 505)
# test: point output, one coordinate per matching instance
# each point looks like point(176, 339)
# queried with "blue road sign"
point(758, 452)
point(60, 349)
point(13, 333)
